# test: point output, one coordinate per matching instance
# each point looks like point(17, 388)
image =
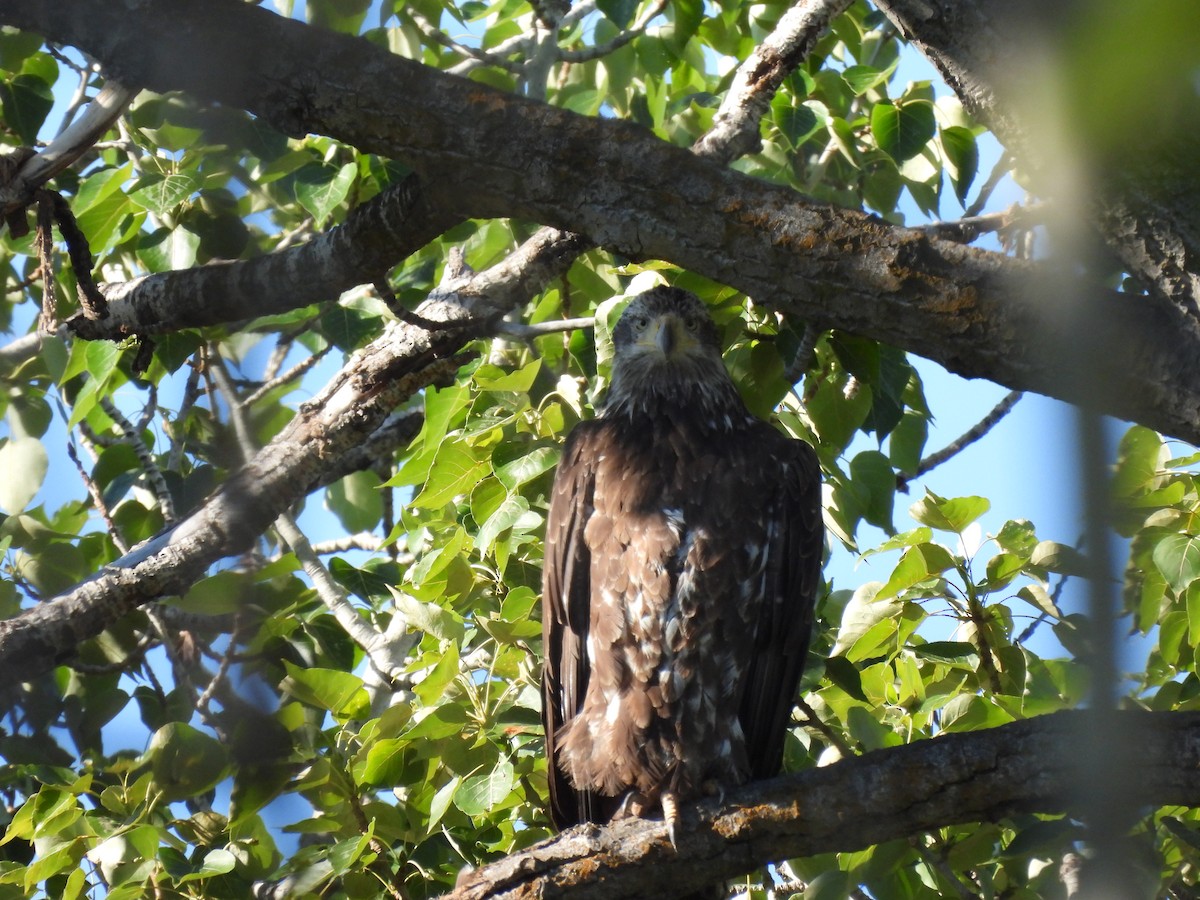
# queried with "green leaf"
point(431, 688)
point(493, 378)
point(356, 500)
point(903, 131)
point(861, 614)
point(962, 158)
point(862, 78)
point(1192, 602)
point(25, 102)
point(874, 481)
point(948, 515)
point(444, 624)
point(917, 564)
point(217, 861)
point(1061, 558)
point(1038, 597)
point(480, 792)
point(163, 193)
point(508, 514)
point(218, 594)
point(321, 193)
point(515, 472)
point(619, 12)
point(1141, 458)
point(901, 541)
point(341, 693)
point(455, 471)
point(185, 761)
point(384, 763)
point(948, 652)
point(24, 462)
point(1017, 536)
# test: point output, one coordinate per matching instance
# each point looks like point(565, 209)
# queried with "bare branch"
point(480, 56)
point(537, 329)
point(133, 437)
point(618, 41)
point(974, 433)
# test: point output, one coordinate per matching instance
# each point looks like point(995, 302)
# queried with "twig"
point(537, 329)
point(938, 861)
point(158, 484)
point(616, 42)
point(290, 375)
point(805, 354)
point(434, 33)
point(98, 499)
point(222, 672)
point(364, 540)
point(974, 433)
point(1003, 166)
point(518, 43)
point(811, 718)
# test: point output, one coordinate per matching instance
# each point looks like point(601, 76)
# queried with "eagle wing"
point(793, 578)
point(566, 613)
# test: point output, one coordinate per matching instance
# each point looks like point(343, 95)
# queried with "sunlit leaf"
point(948, 514)
point(902, 131)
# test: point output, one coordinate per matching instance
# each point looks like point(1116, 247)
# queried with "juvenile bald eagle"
point(683, 555)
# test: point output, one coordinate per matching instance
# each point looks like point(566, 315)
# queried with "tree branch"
point(735, 128)
point(375, 237)
point(1029, 766)
point(18, 189)
point(977, 313)
point(328, 433)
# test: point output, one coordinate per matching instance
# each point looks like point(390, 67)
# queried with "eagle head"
point(667, 354)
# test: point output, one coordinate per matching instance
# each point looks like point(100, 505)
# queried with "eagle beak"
point(667, 335)
point(664, 335)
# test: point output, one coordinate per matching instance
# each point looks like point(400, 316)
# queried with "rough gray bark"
point(1030, 766)
point(979, 314)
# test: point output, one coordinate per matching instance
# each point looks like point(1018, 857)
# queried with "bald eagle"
point(683, 556)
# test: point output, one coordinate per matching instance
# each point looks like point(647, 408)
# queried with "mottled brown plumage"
point(683, 553)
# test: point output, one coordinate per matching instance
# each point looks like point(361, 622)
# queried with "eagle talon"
point(670, 808)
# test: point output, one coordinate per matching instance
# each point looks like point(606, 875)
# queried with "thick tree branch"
point(392, 368)
point(979, 314)
point(1029, 766)
point(374, 238)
